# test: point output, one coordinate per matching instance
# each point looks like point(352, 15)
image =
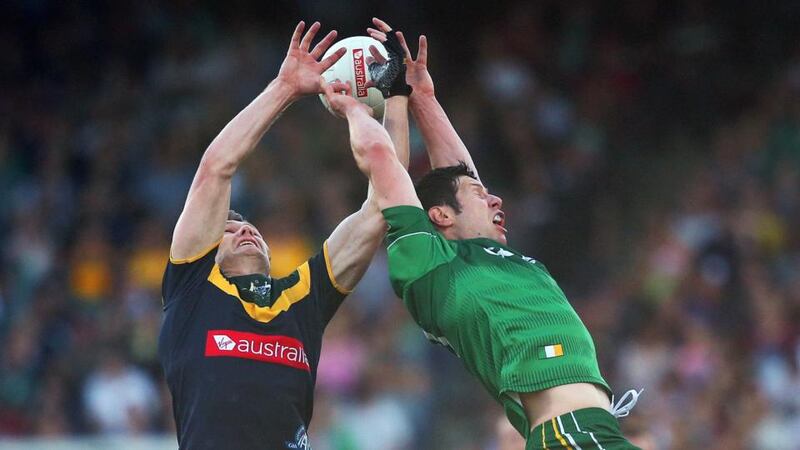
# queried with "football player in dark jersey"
point(240, 348)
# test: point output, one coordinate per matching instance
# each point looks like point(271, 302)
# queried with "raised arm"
point(373, 151)
point(202, 221)
point(444, 146)
point(353, 243)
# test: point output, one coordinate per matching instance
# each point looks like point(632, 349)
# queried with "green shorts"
point(584, 429)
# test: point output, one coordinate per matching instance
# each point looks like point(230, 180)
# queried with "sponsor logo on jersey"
point(224, 342)
point(359, 72)
point(266, 348)
point(300, 441)
point(503, 253)
point(497, 251)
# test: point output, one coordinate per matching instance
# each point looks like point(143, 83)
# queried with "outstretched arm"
point(444, 146)
point(373, 150)
point(202, 222)
point(353, 243)
point(395, 121)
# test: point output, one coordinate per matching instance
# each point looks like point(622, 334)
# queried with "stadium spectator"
point(119, 397)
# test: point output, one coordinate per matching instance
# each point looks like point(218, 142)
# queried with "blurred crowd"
point(647, 152)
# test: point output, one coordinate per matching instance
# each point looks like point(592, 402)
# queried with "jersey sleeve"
point(413, 245)
point(326, 293)
point(183, 275)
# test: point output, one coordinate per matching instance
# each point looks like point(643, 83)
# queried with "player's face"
point(480, 212)
point(242, 251)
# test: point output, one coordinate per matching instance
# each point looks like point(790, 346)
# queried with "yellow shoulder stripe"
point(266, 313)
point(217, 279)
point(195, 257)
point(329, 267)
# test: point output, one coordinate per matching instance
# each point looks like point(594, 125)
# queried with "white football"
point(352, 67)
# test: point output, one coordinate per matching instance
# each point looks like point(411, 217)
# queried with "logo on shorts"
point(223, 342)
point(300, 440)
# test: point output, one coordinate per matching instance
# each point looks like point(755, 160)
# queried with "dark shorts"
point(584, 429)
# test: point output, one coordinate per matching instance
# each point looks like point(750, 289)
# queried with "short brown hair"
point(439, 186)
point(233, 215)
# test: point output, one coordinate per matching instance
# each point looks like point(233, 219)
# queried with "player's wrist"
point(284, 90)
point(399, 88)
point(356, 110)
point(397, 101)
point(420, 98)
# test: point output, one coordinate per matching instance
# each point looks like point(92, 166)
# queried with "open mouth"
point(246, 243)
point(499, 219)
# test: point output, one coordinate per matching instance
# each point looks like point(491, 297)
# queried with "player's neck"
point(243, 267)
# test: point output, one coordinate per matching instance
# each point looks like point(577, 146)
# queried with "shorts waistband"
point(578, 421)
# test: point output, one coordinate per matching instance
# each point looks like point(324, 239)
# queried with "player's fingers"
point(341, 87)
point(383, 26)
point(338, 86)
point(305, 44)
point(298, 31)
point(377, 55)
point(324, 87)
point(375, 34)
point(422, 54)
point(404, 45)
point(323, 45)
point(332, 58)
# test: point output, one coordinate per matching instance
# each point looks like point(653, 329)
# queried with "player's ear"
point(441, 216)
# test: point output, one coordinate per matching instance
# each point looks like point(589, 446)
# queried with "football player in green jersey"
point(498, 310)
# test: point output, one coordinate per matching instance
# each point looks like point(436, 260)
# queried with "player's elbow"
point(215, 165)
point(377, 151)
point(373, 155)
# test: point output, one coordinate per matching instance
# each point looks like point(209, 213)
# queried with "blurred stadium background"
point(648, 152)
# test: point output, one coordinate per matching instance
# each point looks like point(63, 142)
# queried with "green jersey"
point(499, 311)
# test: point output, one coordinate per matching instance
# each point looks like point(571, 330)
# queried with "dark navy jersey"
point(242, 375)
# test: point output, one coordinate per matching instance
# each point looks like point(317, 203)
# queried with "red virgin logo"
point(267, 348)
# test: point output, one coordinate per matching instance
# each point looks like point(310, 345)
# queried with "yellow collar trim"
point(285, 301)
